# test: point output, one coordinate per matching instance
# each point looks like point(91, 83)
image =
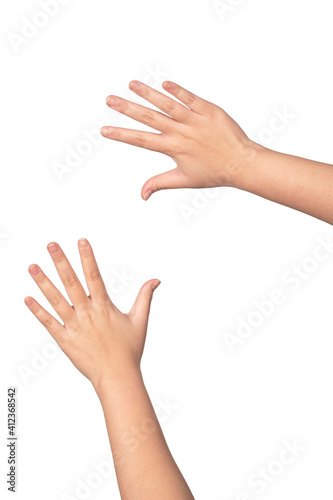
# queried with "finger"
point(52, 325)
point(153, 119)
point(146, 140)
point(73, 287)
point(141, 307)
point(56, 299)
point(161, 101)
point(172, 179)
point(192, 101)
point(93, 277)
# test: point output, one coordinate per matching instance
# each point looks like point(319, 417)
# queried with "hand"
point(208, 146)
point(100, 341)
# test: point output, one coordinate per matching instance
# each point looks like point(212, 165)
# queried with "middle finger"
point(73, 287)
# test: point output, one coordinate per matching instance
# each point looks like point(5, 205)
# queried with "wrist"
point(241, 168)
point(109, 381)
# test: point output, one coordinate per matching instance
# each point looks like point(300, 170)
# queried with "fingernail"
point(135, 86)
point(168, 85)
point(52, 248)
point(28, 301)
point(147, 194)
point(111, 101)
point(34, 270)
point(155, 284)
point(106, 131)
point(83, 243)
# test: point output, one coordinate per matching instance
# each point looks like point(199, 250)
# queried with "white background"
point(231, 412)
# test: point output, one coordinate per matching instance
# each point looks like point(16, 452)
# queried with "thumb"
point(168, 180)
point(141, 307)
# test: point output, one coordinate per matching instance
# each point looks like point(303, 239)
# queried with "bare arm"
point(106, 346)
point(295, 182)
point(144, 465)
point(210, 150)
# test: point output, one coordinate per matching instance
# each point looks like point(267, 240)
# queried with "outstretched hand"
point(208, 146)
point(102, 342)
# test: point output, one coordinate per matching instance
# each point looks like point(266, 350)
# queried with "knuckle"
point(190, 99)
point(148, 295)
point(41, 279)
point(47, 322)
point(70, 281)
point(72, 327)
point(159, 186)
point(139, 141)
point(102, 305)
point(94, 276)
point(147, 118)
point(169, 105)
point(56, 300)
point(59, 258)
point(213, 111)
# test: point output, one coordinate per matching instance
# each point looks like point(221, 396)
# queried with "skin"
point(211, 150)
point(106, 346)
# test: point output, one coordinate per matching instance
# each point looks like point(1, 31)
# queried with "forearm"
point(106, 346)
point(302, 184)
point(144, 466)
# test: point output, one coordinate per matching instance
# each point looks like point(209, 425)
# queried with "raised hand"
point(106, 346)
point(101, 341)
